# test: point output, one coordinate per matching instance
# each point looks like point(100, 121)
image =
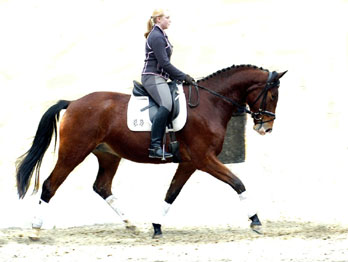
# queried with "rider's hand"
point(190, 80)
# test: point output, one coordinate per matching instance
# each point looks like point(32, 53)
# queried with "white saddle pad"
point(138, 120)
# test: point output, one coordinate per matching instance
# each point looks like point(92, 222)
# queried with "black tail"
point(31, 160)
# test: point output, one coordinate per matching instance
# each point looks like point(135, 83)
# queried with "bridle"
point(272, 82)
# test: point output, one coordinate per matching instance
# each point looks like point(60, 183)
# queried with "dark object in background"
point(233, 150)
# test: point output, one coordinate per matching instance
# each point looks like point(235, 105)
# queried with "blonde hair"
point(152, 21)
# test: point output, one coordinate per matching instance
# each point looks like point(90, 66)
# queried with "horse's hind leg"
point(182, 174)
point(108, 164)
point(68, 159)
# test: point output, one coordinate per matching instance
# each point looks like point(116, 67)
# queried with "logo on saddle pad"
point(142, 108)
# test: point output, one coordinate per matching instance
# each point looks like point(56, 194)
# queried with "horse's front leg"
point(214, 167)
point(182, 174)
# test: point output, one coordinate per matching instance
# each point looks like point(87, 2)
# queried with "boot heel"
point(159, 153)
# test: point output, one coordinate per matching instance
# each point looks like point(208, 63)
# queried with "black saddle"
point(139, 90)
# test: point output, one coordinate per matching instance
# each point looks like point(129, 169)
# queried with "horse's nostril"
point(269, 130)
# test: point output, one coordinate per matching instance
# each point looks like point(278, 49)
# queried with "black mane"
point(230, 68)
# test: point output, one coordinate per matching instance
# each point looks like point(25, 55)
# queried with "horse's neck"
point(214, 107)
point(233, 87)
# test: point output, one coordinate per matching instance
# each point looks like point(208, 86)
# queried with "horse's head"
point(262, 99)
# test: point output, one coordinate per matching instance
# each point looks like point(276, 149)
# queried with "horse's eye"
point(273, 97)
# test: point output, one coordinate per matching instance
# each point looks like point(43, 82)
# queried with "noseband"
point(257, 116)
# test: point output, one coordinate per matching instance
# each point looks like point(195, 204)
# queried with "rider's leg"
point(159, 90)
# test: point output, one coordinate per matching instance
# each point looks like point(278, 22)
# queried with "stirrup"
point(158, 152)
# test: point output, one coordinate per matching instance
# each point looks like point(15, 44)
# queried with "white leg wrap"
point(247, 204)
point(112, 201)
point(159, 218)
point(41, 210)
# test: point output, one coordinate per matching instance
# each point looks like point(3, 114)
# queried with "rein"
point(242, 109)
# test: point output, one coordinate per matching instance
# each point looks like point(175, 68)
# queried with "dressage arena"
point(284, 241)
point(199, 227)
point(297, 176)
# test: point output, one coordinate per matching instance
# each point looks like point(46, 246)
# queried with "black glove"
point(190, 80)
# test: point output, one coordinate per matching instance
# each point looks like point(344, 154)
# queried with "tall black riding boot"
point(157, 132)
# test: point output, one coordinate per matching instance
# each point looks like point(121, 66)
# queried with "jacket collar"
point(164, 33)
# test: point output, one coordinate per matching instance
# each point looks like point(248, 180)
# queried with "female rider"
point(157, 70)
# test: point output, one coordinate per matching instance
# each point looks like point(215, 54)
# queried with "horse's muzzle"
point(263, 129)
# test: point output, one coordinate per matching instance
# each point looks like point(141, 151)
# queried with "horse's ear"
point(281, 74)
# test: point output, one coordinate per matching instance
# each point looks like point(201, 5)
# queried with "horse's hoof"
point(132, 228)
point(256, 228)
point(256, 225)
point(35, 234)
point(157, 231)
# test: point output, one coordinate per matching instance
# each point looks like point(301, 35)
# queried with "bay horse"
point(96, 123)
